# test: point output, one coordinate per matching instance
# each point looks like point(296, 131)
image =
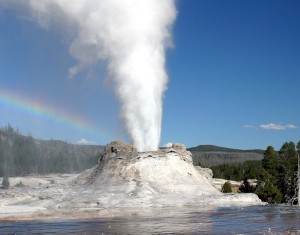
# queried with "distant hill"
point(21, 155)
point(214, 148)
point(211, 155)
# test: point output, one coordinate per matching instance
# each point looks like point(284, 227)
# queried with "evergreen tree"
point(246, 187)
point(269, 193)
point(5, 182)
point(266, 190)
point(270, 162)
point(287, 169)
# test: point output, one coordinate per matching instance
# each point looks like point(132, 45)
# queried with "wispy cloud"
point(86, 142)
point(277, 127)
point(272, 126)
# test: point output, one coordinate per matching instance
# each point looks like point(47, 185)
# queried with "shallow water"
point(248, 220)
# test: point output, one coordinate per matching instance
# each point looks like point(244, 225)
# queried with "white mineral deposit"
point(124, 181)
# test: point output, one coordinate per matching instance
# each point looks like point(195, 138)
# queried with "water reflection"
point(187, 220)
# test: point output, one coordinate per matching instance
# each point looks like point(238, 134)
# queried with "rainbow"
point(40, 109)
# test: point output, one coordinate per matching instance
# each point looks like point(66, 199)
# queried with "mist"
point(131, 37)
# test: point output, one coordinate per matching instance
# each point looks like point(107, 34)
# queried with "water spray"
point(131, 37)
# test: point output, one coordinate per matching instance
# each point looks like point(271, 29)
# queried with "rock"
point(118, 148)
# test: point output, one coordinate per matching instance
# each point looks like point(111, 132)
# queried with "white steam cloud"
point(131, 36)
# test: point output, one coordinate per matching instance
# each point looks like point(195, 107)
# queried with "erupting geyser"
point(131, 36)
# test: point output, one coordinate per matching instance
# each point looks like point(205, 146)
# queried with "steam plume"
point(131, 36)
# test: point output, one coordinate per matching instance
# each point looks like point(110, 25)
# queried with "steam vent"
point(128, 179)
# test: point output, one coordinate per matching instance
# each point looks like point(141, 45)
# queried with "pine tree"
point(287, 169)
point(246, 187)
point(296, 197)
point(266, 190)
point(5, 182)
point(270, 162)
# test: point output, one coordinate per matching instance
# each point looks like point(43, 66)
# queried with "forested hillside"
point(278, 180)
point(21, 155)
point(214, 148)
point(276, 174)
point(238, 171)
point(210, 155)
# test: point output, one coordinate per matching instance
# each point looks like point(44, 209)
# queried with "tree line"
point(276, 174)
point(21, 155)
point(211, 159)
point(277, 180)
point(238, 171)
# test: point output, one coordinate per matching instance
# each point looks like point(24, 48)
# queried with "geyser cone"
point(127, 178)
point(168, 170)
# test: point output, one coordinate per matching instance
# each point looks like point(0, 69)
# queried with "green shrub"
point(267, 192)
point(226, 188)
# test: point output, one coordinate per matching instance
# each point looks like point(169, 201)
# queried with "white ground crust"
point(122, 181)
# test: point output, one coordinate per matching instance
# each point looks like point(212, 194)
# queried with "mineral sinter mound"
point(129, 179)
point(123, 181)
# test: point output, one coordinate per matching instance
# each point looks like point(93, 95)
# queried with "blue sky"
point(234, 78)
